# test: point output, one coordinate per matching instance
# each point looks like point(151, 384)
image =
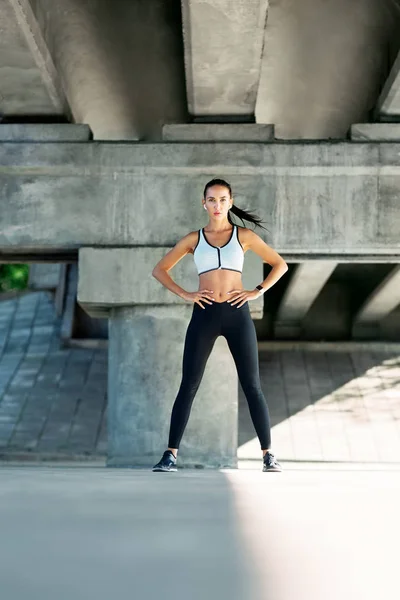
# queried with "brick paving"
point(326, 406)
point(329, 406)
point(52, 399)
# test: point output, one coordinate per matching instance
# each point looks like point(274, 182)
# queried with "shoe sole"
point(161, 470)
point(272, 470)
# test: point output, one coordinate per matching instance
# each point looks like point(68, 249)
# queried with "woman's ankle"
point(174, 451)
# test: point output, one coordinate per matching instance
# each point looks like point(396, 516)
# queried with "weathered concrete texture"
point(324, 64)
point(44, 276)
point(310, 533)
point(306, 283)
point(44, 132)
point(26, 87)
point(375, 132)
point(123, 276)
point(244, 132)
point(121, 64)
point(223, 48)
point(145, 364)
point(315, 198)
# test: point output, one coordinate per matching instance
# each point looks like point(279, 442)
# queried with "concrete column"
point(145, 365)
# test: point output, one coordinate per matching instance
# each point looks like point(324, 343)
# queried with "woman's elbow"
point(157, 271)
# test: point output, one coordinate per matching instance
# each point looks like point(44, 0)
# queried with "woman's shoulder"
point(245, 236)
point(191, 240)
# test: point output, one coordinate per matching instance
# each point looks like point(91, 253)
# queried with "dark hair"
point(239, 212)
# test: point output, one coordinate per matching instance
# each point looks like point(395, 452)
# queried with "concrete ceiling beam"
point(306, 283)
point(388, 105)
point(382, 301)
point(223, 44)
point(28, 78)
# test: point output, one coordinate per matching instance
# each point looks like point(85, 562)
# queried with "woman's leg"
point(200, 337)
point(240, 334)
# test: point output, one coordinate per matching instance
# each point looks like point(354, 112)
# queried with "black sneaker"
point(167, 463)
point(270, 463)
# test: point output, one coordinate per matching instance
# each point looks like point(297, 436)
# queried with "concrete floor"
point(309, 533)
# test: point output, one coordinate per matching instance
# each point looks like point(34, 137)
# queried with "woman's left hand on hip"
point(242, 296)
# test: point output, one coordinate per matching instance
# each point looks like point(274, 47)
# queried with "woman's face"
point(217, 201)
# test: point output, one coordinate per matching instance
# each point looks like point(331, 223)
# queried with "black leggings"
point(236, 325)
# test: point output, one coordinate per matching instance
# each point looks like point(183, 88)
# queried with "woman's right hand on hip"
point(199, 297)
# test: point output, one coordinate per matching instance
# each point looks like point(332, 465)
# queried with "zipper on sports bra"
point(219, 258)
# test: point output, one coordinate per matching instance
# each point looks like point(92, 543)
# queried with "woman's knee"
point(252, 389)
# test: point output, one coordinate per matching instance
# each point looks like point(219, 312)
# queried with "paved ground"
point(324, 406)
point(51, 399)
point(305, 534)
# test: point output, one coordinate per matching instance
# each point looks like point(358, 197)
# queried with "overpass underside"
point(114, 115)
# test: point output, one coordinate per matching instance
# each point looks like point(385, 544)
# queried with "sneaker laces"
point(270, 459)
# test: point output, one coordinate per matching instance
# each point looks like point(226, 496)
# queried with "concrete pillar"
point(147, 327)
point(145, 365)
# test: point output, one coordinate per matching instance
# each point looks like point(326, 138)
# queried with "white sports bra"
point(230, 256)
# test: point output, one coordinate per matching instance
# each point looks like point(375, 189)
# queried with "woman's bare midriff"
point(221, 281)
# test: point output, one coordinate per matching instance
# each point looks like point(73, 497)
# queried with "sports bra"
point(207, 257)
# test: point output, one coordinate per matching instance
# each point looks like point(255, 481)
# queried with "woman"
point(218, 250)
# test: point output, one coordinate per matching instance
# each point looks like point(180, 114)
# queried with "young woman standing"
point(220, 308)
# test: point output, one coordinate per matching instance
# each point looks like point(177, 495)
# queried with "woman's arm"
point(181, 248)
point(269, 255)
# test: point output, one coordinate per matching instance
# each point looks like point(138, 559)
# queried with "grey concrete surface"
point(30, 30)
point(19, 69)
point(44, 132)
point(388, 104)
point(44, 276)
point(220, 80)
point(121, 65)
point(375, 132)
point(315, 198)
point(306, 533)
point(122, 277)
point(383, 300)
point(232, 132)
point(304, 286)
point(324, 64)
point(145, 368)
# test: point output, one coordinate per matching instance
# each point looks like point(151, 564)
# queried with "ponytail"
point(239, 212)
